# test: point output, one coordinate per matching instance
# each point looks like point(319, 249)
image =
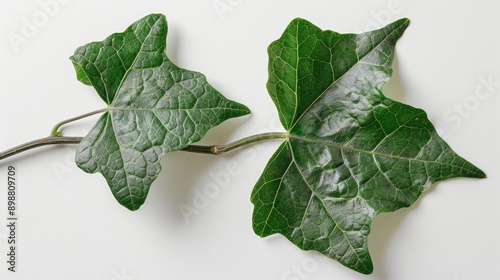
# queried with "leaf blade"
point(352, 153)
point(155, 107)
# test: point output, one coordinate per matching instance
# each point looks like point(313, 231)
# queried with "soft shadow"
point(182, 173)
point(173, 39)
point(394, 88)
point(177, 183)
point(383, 229)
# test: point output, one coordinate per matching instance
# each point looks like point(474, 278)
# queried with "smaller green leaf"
point(155, 107)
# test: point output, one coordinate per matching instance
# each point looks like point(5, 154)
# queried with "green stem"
point(55, 130)
point(212, 150)
point(51, 140)
point(221, 149)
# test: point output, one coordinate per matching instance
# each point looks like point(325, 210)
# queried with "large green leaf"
point(351, 153)
point(155, 107)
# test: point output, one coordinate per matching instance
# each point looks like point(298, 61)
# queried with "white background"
point(70, 227)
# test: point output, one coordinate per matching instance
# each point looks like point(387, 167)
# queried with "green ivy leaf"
point(351, 153)
point(155, 107)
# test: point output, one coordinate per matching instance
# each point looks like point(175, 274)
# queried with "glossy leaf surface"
point(155, 107)
point(352, 153)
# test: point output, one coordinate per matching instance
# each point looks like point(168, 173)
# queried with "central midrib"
point(110, 109)
point(373, 153)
